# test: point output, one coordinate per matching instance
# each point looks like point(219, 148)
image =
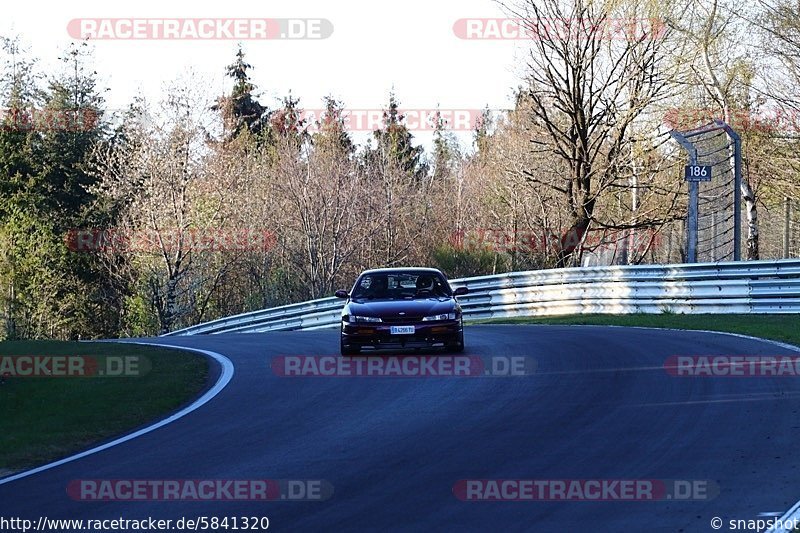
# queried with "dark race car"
point(401, 308)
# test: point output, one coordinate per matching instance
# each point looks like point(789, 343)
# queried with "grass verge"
point(47, 418)
point(784, 328)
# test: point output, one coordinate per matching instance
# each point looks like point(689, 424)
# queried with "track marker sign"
point(698, 173)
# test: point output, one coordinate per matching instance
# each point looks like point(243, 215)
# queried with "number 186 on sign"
point(698, 173)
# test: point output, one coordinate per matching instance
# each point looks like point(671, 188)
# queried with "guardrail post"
point(787, 218)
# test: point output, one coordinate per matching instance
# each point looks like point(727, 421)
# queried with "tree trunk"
point(752, 221)
point(570, 241)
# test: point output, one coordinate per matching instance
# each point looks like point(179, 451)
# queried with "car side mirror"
point(341, 294)
point(461, 291)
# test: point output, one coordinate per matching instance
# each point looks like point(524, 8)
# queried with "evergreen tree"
point(241, 110)
point(445, 150)
point(332, 128)
point(482, 133)
point(20, 95)
point(69, 131)
point(288, 122)
point(47, 291)
point(395, 142)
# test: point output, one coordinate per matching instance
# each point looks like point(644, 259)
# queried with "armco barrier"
point(730, 287)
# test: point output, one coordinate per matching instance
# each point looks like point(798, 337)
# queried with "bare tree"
point(168, 208)
point(587, 85)
point(323, 216)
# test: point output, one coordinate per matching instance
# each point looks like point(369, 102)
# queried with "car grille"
point(401, 319)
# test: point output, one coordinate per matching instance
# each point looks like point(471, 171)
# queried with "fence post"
point(787, 216)
point(694, 199)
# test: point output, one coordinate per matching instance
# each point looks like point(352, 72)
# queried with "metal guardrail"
point(725, 287)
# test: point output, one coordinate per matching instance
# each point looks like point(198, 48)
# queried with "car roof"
point(402, 269)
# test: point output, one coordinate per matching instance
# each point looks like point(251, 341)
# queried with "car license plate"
point(402, 330)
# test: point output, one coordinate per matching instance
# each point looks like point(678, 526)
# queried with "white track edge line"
point(225, 377)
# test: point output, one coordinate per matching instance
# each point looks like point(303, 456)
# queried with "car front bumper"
point(379, 336)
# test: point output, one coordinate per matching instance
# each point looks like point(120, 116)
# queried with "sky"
point(374, 47)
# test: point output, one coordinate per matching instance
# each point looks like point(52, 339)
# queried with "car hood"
point(382, 308)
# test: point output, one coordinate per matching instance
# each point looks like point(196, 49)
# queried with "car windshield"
point(401, 286)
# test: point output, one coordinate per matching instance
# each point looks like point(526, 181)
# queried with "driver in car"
point(424, 286)
point(376, 288)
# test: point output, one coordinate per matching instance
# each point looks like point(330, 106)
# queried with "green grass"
point(43, 419)
point(785, 328)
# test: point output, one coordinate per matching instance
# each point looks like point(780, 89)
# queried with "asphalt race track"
point(599, 406)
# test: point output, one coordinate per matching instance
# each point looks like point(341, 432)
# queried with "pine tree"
point(445, 150)
point(44, 146)
point(241, 110)
point(332, 128)
point(395, 142)
point(70, 128)
point(288, 122)
point(20, 92)
point(482, 133)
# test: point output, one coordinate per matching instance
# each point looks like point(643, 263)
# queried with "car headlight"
point(355, 318)
point(448, 316)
